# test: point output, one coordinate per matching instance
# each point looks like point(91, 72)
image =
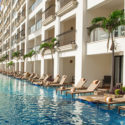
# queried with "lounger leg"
point(119, 110)
point(108, 106)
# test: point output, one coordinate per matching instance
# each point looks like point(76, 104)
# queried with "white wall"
point(67, 68)
point(97, 66)
point(38, 67)
point(48, 67)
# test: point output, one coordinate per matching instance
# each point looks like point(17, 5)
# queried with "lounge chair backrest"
point(62, 79)
point(42, 77)
point(56, 79)
point(93, 85)
point(81, 83)
point(36, 76)
point(32, 75)
point(45, 79)
point(26, 74)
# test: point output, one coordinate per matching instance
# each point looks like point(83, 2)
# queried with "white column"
point(57, 32)
point(80, 40)
point(124, 69)
point(26, 33)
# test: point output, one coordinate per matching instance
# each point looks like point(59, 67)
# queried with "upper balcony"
point(35, 3)
point(66, 6)
point(36, 26)
point(67, 36)
point(97, 43)
point(49, 13)
point(18, 4)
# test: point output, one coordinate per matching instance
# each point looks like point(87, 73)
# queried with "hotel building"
point(25, 24)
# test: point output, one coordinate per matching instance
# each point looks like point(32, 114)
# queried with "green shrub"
point(123, 89)
point(117, 92)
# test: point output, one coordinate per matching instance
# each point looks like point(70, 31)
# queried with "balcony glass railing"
point(32, 29)
point(67, 37)
point(39, 24)
point(34, 5)
point(99, 34)
point(36, 27)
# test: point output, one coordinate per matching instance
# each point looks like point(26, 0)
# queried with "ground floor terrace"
point(97, 66)
point(25, 103)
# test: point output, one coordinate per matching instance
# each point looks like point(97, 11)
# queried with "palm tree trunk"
point(52, 62)
point(113, 65)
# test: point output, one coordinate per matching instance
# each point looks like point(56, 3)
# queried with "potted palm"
point(10, 64)
point(109, 24)
point(30, 54)
point(16, 54)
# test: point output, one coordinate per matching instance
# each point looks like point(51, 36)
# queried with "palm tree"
point(109, 24)
point(10, 64)
point(51, 45)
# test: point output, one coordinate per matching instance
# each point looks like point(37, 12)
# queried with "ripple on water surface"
point(25, 104)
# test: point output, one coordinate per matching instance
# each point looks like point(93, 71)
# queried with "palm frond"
point(98, 20)
point(117, 14)
point(92, 27)
point(53, 40)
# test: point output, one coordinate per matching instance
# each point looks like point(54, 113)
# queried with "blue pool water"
point(22, 103)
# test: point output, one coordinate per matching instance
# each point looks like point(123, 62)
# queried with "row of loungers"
point(78, 88)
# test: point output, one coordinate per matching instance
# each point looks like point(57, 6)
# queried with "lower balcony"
point(22, 18)
point(98, 41)
point(49, 15)
point(67, 6)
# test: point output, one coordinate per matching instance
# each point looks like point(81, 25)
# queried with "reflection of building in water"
point(55, 96)
point(41, 98)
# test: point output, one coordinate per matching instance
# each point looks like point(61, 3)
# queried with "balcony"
point(39, 24)
point(22, 34)
point(22, 1)
point(17, 5)
point(34, 5)
point(49, 14)
point(36, 27)
point(22, 18)
point(66, 6)
point(99, 34)
point(22, 52)
point(98, 41)
point(67, 40)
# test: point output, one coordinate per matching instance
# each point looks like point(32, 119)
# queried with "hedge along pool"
point(25, 104)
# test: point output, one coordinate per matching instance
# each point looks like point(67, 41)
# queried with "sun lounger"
point(25, 76)
point(92, 87)
point(79, 85)
point(38, 79)
point(102, 99)
point(42, 81)
point(61, 83)
point(55, 81)
point(121, 108)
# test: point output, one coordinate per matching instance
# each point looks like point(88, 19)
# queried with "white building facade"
point(25, 24)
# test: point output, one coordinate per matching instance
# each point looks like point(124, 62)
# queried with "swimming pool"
point(22, 103)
